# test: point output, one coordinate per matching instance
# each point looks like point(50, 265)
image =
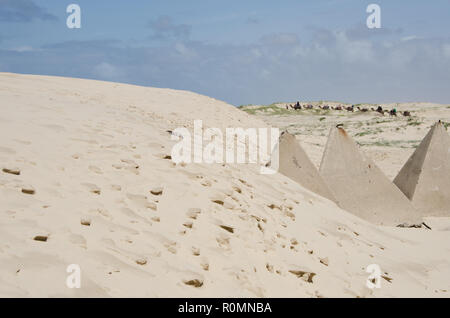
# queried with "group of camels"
point(379, 109)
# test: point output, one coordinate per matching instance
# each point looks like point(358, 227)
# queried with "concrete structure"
point(360, 187)
point(295, 164)
point(425, 178)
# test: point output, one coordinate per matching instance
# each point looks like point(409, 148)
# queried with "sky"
point(239, 51)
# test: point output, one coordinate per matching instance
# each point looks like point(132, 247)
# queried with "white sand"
point(92, 152)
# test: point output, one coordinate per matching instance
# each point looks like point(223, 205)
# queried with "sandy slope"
point(93, 152)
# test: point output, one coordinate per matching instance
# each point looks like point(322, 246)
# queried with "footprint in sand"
point(227, 228)
point(92, 188)
point(141, 201)
point(223, 241)
point(41, 238)
point(157, 191)
point(171, 247)
point(28, 190)
point(14, 171)
point(95, 169)
point(193, 213)
point(141, 261)
point(304, 275)
point(194, 283)
point(188, 224)
point(85, 221)
point(131, 166)
point(195, 251)
point(245, 183)
point(116, 187)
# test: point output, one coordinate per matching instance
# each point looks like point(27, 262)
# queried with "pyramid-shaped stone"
point(296, 165)
point(425, 178)
point(360, 187)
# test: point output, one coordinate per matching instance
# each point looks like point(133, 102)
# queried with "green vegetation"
point(271, 110)
point(414, 121)
point(382, 121)
point(392, 143)
point(369, 132)
point(242, 106)
point(364, 133)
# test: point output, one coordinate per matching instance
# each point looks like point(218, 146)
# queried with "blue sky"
point(242, 52)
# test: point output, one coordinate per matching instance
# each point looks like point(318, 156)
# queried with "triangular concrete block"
point(296, 165)
point(360, 187)
point(425, 177)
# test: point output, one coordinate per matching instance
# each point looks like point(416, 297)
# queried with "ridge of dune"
point(84, 180)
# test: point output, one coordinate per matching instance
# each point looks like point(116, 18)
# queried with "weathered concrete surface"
point(425, 177)
point(295, 164)
point(360, 187)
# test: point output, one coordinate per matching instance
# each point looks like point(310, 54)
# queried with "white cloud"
point(410, 38)
point(446, 50)
point(24, 48)
point(107, 71)
point(329, 65)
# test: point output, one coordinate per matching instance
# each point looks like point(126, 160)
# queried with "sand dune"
point(84, 180)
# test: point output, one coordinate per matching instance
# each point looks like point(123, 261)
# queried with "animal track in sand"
point(194, 283)
point(306, 276)
point(324, 261)
point(227, 228)
point(141, 201)
point(28, 190)
point(102, 212)
point(41, 238)
point(157, 191)
point(273, 206)
point(193, 213)
point(130, 163)
point(171, 247)
point(237, 189)
point(13, 171)
point(85, 222)
point(92, 188)
point(195, 251)
point(260, 227)
point(141, 261)
point(206, 183)
point(223, 241)
point(387, 278)
point(188, 224)
point(245, 183)
point(95, 169)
